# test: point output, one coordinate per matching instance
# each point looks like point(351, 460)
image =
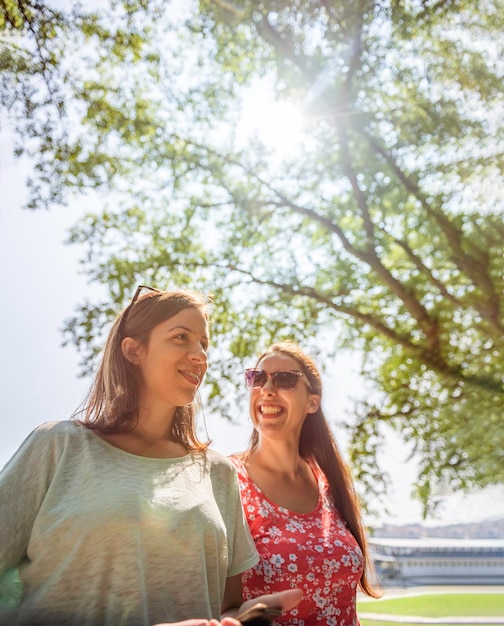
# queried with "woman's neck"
point(281, 457)
point(151, 436)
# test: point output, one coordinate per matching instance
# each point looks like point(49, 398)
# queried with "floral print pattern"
point(313, 551)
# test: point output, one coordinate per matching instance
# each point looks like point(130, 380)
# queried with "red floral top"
point(312, 551)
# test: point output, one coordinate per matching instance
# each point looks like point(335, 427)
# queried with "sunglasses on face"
point(283, 381)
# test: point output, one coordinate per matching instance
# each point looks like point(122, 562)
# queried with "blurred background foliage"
point(373, 220)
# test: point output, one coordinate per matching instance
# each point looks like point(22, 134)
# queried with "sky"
point(42, 286)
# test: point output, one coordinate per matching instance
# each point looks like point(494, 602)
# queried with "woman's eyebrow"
point(189, 330)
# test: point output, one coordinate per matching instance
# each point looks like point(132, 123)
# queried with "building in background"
point(438, 561)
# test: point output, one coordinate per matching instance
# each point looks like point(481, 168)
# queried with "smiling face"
point(276, 411)
point(173, 362)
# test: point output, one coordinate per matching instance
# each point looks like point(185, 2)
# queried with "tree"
point(383, 231)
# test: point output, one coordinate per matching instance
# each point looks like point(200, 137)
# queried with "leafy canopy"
point(380, 230)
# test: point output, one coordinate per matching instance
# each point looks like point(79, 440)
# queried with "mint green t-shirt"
point(102, 537)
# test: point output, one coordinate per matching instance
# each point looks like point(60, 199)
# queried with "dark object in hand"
point(258, 615)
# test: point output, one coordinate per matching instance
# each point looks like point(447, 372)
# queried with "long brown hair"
point(112, 403)
point(317, 444)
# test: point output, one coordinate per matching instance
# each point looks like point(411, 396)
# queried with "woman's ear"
point(313, 403)
point(130, 349)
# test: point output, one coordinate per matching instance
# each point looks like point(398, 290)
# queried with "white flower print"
point(277, 560)
point(293, 526)
point(315, 552)
point(319, 601)
point(263, 512)
point(274, 531)
point(268, 570)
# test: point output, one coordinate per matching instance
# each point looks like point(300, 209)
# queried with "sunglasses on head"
point(284, 380)
point(127, 310)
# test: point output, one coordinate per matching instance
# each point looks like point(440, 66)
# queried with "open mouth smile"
point(270, 410)
point(193, 377)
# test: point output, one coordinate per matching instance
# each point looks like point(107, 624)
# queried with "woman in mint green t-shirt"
point(123, 517)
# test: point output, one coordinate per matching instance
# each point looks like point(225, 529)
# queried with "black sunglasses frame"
point(127, 311)
point(252, 372)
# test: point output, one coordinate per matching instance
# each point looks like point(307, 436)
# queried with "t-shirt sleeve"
point(245, 554)
point(23, 485)
point(242, 551)
point(246, 498)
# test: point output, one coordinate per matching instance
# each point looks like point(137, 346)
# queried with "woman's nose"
point(198, 354)
point(268, 388)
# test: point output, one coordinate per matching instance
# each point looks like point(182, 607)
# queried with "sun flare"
point(279, 125)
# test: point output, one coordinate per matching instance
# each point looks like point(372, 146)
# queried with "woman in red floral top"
point(298, 496)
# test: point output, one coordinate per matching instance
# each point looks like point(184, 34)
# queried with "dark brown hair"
point(112, 403)
point(317, 444)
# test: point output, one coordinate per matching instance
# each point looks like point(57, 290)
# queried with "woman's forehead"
point(278, 361)
point(190, 318)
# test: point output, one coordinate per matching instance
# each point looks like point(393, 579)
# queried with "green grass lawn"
point(368, 622)
point(434, 605)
